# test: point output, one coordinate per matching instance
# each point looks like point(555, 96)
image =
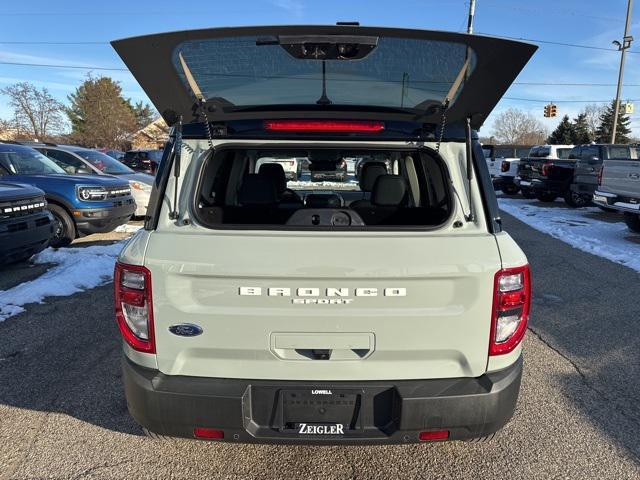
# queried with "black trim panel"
point(390, 411)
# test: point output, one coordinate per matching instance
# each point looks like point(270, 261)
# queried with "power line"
point(53, 65)
point(523, 39)
point(519, 99)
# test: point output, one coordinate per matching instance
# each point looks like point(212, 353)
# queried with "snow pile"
point(75, 270)
point(127, 228)
point(580, 228)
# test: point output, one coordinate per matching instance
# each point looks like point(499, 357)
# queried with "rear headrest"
point(389, 190)
point(257, 190)
point(370, 173)
point(323, 200)
point(275, 172)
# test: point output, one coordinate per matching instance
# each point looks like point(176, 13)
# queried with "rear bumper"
point(388, 412)
point(25, 236)
point(102, 220)
point(539, 185)
point(502, 181)
point(616, 202)
point(584, 188)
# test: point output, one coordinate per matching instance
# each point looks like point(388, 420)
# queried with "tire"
point(527, 193)
point(547, 197)
point(576, 200)
point(64, 230)
point(510, 189)
point(633, 221)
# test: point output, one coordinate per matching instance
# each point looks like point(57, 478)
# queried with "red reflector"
point(323, 126)
point(208, 433)
point(434, 435)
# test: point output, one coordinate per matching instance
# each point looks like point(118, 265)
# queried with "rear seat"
point(370, 173)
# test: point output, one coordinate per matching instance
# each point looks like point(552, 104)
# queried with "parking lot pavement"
point(63, 414)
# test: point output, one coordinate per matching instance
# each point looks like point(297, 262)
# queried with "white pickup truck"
point(502, 162)
point(619, 188)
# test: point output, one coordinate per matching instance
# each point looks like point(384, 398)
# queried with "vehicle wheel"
point(546, 196)
point(484, 439)
point(510, 189)
point(633, 221)
point(155, 436)
point(527, 193)
point(576, 200)
point(64, 230)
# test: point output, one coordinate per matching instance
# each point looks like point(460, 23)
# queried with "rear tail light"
point(133, 305)
point(511, 305)
point(600, 174)
point(208, 433)
point(323, 126)
point(432, 435)
point(546, 168)
point(504, 167)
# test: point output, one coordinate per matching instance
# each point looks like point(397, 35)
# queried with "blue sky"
point(589, 22)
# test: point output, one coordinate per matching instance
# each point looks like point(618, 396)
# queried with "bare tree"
point(593, 112)
point(35, 111)
point(518, 127)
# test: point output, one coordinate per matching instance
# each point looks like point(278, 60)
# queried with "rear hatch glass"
point(341, 71)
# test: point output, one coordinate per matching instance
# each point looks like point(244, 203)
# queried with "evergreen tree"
point(99, 115)
point(603, 133)
point(581, 130)
point(144, 113)
point(564, 134)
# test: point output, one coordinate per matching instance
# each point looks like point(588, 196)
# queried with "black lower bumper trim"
point(103, 220)
point(22, 237)
point(253, 411)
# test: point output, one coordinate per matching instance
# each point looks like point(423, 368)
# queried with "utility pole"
point(472, 12)
point(622, 47)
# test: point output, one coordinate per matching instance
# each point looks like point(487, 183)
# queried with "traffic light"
point(550, 110)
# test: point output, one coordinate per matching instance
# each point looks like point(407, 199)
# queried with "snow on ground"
point(580, 228)
point(126, 228)
point(350, 184)
point(74, 270)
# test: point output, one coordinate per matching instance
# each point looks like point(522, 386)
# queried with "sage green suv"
point(389, 308)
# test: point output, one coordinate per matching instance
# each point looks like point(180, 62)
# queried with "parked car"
point(589, 160)
point(143, 160)
point(291, 166)
point(502, 162)
point(26, 226)
point(80, 204)
point(276, 321)
point(117, 154)
point(619, 189)
point(546, 179)
point(327, 167)
point(78, 160)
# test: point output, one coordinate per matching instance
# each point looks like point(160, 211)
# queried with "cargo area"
point(323, 187)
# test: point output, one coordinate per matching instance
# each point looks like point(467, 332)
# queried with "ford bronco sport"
point(387, 309)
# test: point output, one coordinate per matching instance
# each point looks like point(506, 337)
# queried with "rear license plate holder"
point(323, 412)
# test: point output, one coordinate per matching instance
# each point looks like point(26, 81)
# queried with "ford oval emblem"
point(185, 330)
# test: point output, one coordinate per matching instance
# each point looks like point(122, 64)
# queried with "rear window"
point(563, 153)
point(391, 72)
point(317, 189)
point(104, 162)
point(619, 152)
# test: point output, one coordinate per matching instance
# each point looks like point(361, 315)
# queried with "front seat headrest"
point(275, 172)
point(370, 173)
point(257, 190)
point(389, 190)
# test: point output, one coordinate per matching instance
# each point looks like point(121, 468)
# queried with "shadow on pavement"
point(64, 356)
point(586, 308)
